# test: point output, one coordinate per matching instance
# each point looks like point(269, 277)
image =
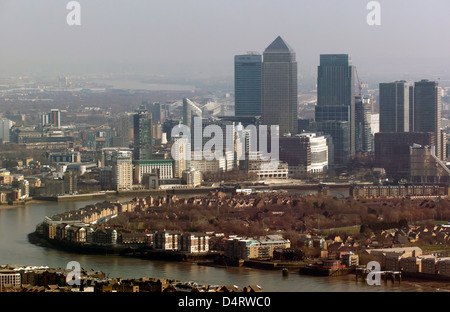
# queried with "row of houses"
point(45, 279)
point(86, 234)
point(396, 191)
point(93, 213)
point(411, 260)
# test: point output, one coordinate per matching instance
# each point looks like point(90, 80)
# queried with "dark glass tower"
point(279, 87)
point(247, 84)
point(142, 124)
point(427, 110)
point(394, 107)
point(335, 110)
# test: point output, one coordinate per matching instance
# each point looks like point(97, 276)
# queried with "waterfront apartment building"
point(335, 109)
point(122, 169)
point(279, 87)
point(247, 84)
point(163, 168)
point(166, 240)
point(254, 247)
point(394, 106)
point(194, 243)
point(9, 278)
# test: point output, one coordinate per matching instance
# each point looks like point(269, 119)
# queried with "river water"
point(16, 223)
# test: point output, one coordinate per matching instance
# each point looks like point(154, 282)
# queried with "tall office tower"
point(247, 84)
point(142, 127)
point(394, 107)
point(5, 126)
point(191, 110)
point(364, 137)
point(124, 131)
point(427, 110)
point(158, 115)
point(279, 87)
point(411, 108)
point(122, 165)
point(335, 110)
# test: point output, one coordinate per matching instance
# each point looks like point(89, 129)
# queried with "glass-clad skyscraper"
point(279, 87)
point(394, 107)
point(335, 110)
point(427, 110)
point(247, 84)
point(142, 122)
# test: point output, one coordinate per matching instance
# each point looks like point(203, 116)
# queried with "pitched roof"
point(279, 45)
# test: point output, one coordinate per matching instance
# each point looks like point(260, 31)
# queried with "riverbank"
point(21, 204)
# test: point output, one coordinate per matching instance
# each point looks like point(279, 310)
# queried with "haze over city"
point(198, 39)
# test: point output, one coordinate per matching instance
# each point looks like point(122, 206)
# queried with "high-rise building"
point(363, 119)
point(394, 107)
point(124, 131)
point(181, 152)
point(192, 110)
point(335, 110)
point(411, 108)
point(279, 87)
point(427, 110)
point(52, 118)
point(122, 168)
point(5, 126)
point(247, 84)
point(142, 124)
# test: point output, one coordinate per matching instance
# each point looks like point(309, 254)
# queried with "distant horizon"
point(197, 40)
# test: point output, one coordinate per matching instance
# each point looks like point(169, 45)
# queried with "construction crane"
point(360, 85)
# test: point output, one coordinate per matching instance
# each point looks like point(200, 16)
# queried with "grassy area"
point(348, 230)
point(434, 248)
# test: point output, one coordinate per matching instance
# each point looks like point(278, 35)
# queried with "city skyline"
point(108, 40)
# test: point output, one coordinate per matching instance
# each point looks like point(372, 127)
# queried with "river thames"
point(16, 223)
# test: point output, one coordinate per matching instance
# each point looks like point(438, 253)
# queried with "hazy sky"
point(201, 37)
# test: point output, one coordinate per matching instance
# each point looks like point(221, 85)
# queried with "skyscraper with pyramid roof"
point(279, 87)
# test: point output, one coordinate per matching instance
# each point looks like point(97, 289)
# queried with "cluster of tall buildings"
point(409, 116)
point(267, 85)
point(410, 122)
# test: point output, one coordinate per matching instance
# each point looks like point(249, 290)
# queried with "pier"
point(385, 275)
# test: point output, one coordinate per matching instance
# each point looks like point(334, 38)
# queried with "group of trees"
point(299, 215)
